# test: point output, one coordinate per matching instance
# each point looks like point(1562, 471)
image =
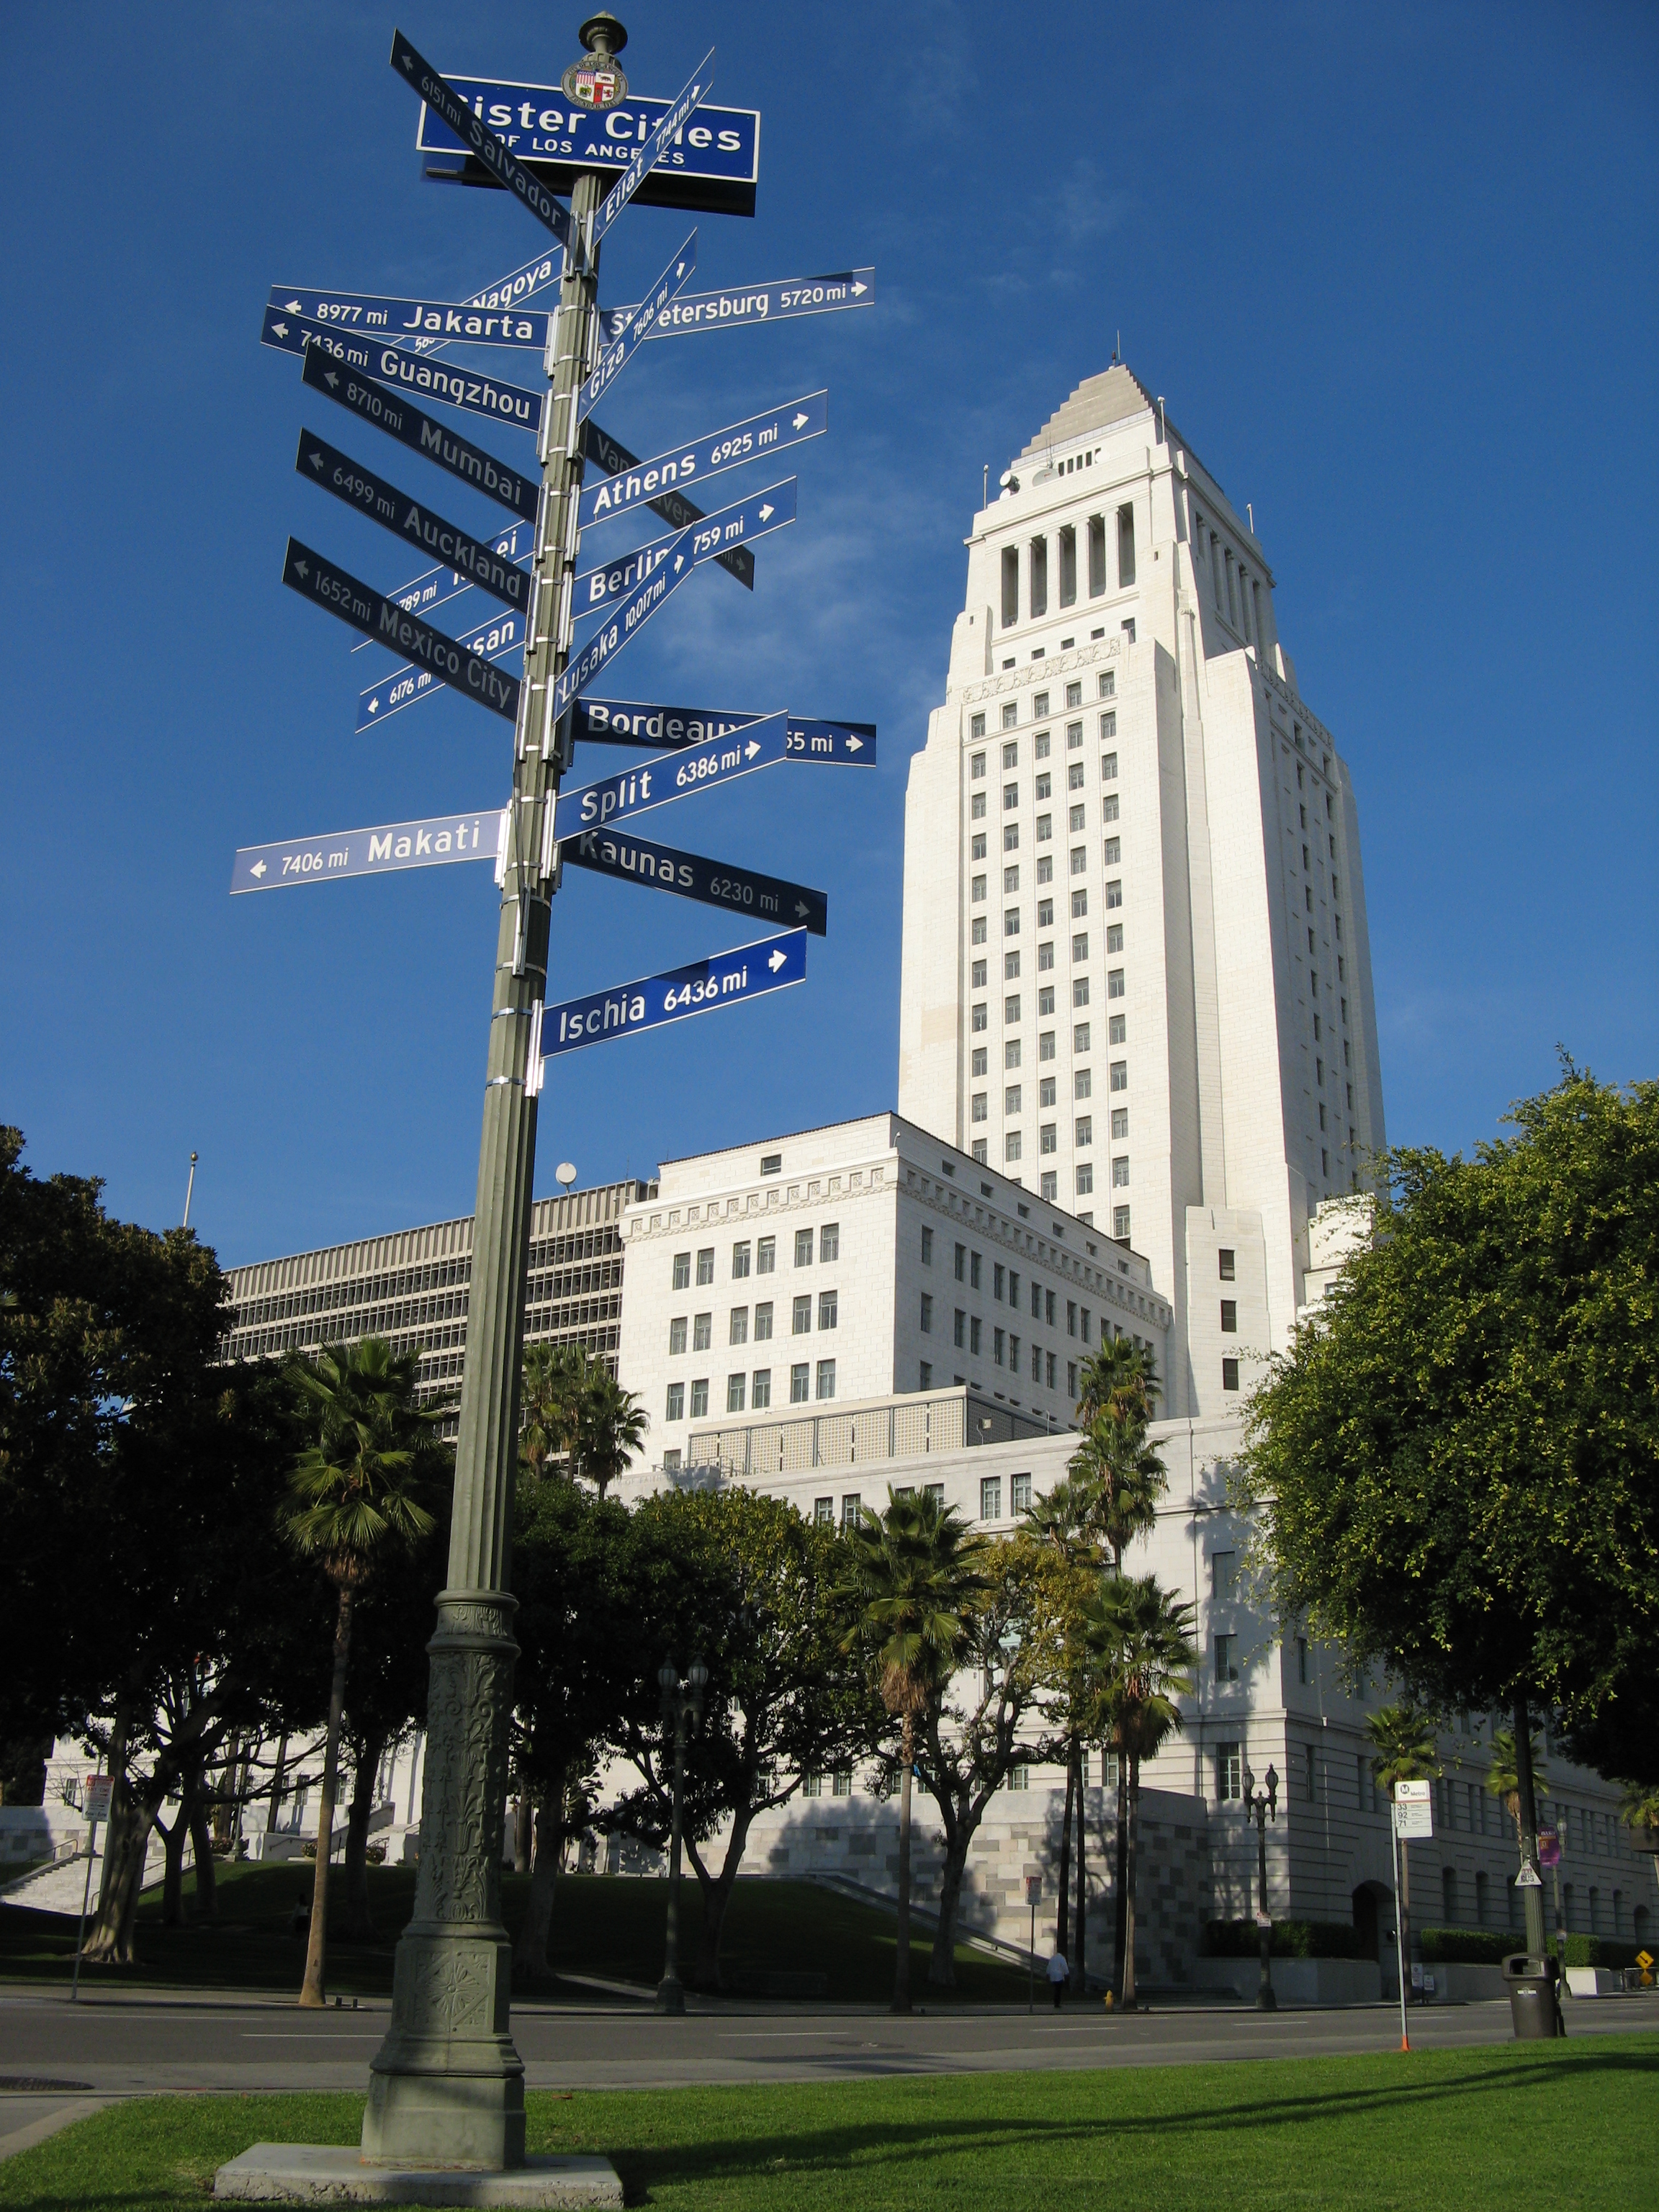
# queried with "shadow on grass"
point(894, 2144)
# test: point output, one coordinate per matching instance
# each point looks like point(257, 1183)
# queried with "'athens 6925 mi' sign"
point(714, 163)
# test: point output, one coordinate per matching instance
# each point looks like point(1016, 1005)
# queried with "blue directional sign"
point(433, 586)
point(408, 372)
point(636, 791)
point(409, 321)
point(754, 517)
point(741, 304)
point(690, 875)
point(403, 685)
point(635, 328)
point(509, 291)
point(394, 510)
point(645, 158)
point(714, 167)
point(471, 131)
point(316, 578)
point(725, 979)
point(626, 623)
point(753, 440)
point(334, 854)
point(633, 722)
point(508, 487)
point(610, 454)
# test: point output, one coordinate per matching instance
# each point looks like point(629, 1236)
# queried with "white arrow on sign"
point(855, 744)
point(777, 959)
point(800, 421)
point(859, 290)
point(293, 308)
point(258, 867)
point(767, 513)
point(316, 461)
point(753, 749)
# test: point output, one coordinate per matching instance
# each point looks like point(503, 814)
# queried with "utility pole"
point(1532, 1893)
point(446, 2085)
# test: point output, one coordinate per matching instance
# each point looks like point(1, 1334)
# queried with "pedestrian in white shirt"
point(1059, 1974)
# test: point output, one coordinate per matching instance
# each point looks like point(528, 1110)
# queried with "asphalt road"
point(58, 2059)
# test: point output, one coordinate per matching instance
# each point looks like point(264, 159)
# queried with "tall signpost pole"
point(447, 2086)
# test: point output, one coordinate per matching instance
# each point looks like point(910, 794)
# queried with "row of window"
point(764, 1253)
point(800, 1320)
point(1105, 687)
point(1097, 533)
point(804, 1384)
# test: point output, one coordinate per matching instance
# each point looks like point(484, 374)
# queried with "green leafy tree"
point(355, 1493)
point(1639, 1809)
point(1058, 1519)
point(551, 1386)
point(611, 1426)
point(1140, 1635)
point(913, 1576)
point(1503, 1777)
point(1403, 1749)
point(1456, 1460)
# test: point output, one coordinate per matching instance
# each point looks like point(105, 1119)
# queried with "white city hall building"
point(1136, 972)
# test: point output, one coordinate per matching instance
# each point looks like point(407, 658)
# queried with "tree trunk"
point(120, 1792)
point(224, 1803)
point(530, 1959)
point(360, 1921)
point(277, 1777)
point(201, 1839)
point(172, 1871)
point(1132, 1802)
point(942, 1967)
point(125, 1843)
point(901, 1956)
point(716, 1896)
point(1063, 1920)
point(1079, 1954)
point(524, 1828)
point(1120, 1877)
point(310, 1991)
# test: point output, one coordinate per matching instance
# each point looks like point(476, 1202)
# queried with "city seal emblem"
point(595, 82)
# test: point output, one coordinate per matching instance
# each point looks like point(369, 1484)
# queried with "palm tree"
point(1504, 1779)
point(610, 1428)
point(1639, 1809)
point(1120, 1380)
point(554, 1376)
point(1058, 1519)
point(1403, 1740)
point(912, 1581)
point(354, 1493)
point(1141, 1635)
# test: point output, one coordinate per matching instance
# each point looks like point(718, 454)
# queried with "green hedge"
point(1293, 1939)
point(1489, 1947)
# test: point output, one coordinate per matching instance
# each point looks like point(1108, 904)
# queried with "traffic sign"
point(610, 454)
point(409, 321)
point(751, 439)
point(394, 510)
point(95, 1794)
point(489, 396)
point(512, 290)
point(317, 578)
point(635, 328)
point(738, 305)
point(754, 517)
point(1413, 1810)
point(1528, 1877)
point(690, 875)
point(634, 791)
point(508, 487)
point(471, 131)
point(629, 618)
point(646, 157)
point(403, 685)
point(631, 722)
point(433, 586)
point(334, 854)
point(725, 979)
point(713, 168)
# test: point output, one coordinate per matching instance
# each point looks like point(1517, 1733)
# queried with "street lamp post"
point(681, 1700)
point(1261, 1802)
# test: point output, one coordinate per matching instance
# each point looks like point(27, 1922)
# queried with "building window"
point(682, 1271)
point(801, 1322)
point(990, 1498)
point(961, 1338)
point(761, 1396)
point(735, 1386)
point(700, 1399)
point(1085, 1125)
point(1302, 1659)
point(927, 1246)
point(1051, 1187)
point(1115, 983)
point(927, 1314)
point(975, 1263)
point(740, 1257)
point(1045, 998)
point(1121, 1223)
point(766, 1255)
point(738, 1326)
point(1079, 991)
point(1010, 712)
point(978, 887)
point(1011, 1008)
point(1010, 585)
point(1126, 547)
point(1226, 1658)
point(1307, 1780)
point(1120, 1122)
point(1224, 1577)
point(1010, 1144)
point(1230, 1375)
point(977, 727)
point(1085, 1180)
point(830, 1241)
point(763, 1321)
point(703, 1332)
point(1047, 1137)
point(803, 1248)
point(1020, 1497)
point(1230, 1316)
point(1117, 1029)
point(1227, 1259)
point(1010, 1059)
point(976, 765)
point(979, 847)
point(812, 1785)
point(675, 1410)
point(677, 1335)
point(925, 1377)
point(1010, 967)
point(705, 1266)
point(826, 1378)
point(842, 1784)
point(800, 1383)
point(829, 1306)
point(976, 1329)
point(1229, 1771)
point(981, 1019)
point(1121, 1171)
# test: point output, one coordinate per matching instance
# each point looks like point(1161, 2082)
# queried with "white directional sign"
point(744, 305)
point(635, 329)
point(645, 158)
point(684, 466)
point(634, 791)
point(334, 854)
point(726, 979)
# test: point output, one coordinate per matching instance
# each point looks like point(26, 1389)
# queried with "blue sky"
point(1393, 270)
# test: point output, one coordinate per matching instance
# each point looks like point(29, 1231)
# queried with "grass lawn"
point(605, 1925)
point(1556, 2125)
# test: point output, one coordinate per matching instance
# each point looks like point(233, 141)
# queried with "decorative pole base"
point(670, 1996)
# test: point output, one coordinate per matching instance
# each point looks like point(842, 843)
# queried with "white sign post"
point(95, 1805)
point(1413, 1815)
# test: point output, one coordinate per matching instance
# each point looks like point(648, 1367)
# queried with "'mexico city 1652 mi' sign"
point(713, 165)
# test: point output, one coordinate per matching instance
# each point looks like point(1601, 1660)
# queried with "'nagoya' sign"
point(318, 578)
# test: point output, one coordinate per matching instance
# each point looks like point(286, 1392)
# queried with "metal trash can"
point(1535, 2008)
